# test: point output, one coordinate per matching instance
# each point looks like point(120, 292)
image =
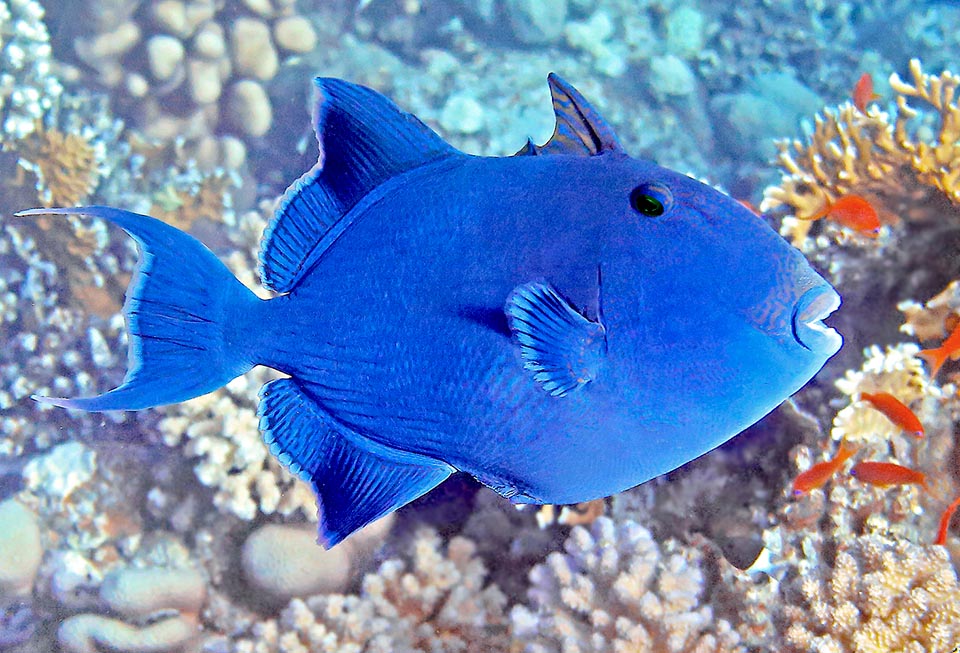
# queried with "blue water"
point(174, 529)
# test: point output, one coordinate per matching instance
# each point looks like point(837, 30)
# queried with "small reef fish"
point(562, 324)
point(821, 472)
point(945, 522)
point(949, 349)
point(883, 474)
point(863, 92)
point(854, 212)
point(895, 410)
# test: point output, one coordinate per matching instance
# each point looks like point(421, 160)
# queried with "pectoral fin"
point(562, 348)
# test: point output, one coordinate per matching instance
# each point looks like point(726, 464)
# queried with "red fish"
point(950, 348)
point(895, 410)
point(863, 92)
point(820, 473)
point(945, 522)
point(887, 474)
point(853, 212)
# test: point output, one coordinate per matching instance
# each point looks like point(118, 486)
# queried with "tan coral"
point(182, 207)
point(935, 318)
point(65, 165)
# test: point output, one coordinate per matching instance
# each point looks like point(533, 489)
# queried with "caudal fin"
point(184, 311)
point(935, 358)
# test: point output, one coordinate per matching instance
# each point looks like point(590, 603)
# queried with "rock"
point(209, 41)
point(92, 633)
point(771, 107)
point(671, 76)
point(171, 15)
point(284, 562)
point(252, 48)
point(686, 32)
point(295, 34)
point(462, 114)
point(537, 21)
point(248, 108)
point(262, 7)
point(140, 592)
point(204, 78)
point(21, 550)
point(165, 55)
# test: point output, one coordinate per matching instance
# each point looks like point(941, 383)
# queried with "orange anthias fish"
point(895, 410)
point(886, 474)
point(863, 92)
point(945, 522)
point(950, 348)
point(820, 473)
point(853, 212)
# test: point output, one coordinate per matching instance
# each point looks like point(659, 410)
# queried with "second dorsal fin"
point(579, 130)
point(365, 139)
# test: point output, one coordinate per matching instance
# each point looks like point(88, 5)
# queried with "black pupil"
point(646, 204)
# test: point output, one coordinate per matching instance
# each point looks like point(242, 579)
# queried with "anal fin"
point(356, 479)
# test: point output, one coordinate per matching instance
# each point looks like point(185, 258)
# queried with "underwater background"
point(174, 529)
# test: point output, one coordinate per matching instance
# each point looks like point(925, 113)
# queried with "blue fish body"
point(562, 324)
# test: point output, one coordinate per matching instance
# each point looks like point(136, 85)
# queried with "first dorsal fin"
point(365, 139)
point(579, 130)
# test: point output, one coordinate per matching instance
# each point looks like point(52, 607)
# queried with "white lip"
point(808, 315)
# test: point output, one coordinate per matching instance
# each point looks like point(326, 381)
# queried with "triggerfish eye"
point(650, 200)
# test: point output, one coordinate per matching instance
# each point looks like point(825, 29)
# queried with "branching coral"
point(878, 595)
point(220, 432)
point(438, 601)
point(938, 162)
point(64, 163)
point(903, 172)
point(616, 589)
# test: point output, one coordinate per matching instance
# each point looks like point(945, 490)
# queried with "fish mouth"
point(808, 315)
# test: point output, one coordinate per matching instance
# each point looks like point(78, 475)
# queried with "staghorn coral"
point(617, 589)
point(435, 601)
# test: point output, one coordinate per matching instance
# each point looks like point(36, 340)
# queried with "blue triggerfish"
point(562, 324)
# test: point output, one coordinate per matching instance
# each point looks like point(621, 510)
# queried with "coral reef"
point(175, 529)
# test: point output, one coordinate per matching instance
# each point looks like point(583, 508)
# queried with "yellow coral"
point(880, 595)
point(182, 207)
point(874, 155)
point(936, 163)
point(65, 165)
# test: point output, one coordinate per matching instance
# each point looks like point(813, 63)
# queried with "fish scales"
point(562, 324)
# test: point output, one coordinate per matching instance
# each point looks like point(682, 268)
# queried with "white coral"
point(615, 589)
